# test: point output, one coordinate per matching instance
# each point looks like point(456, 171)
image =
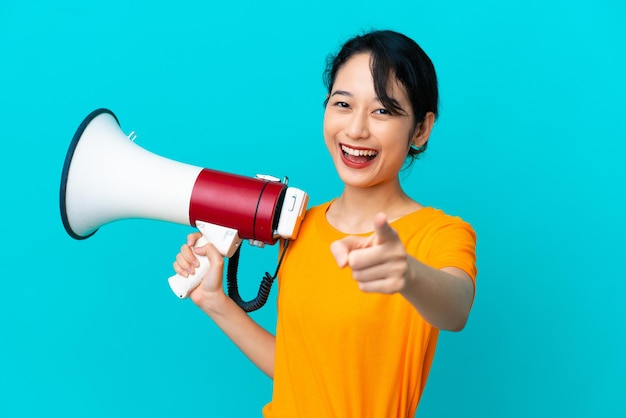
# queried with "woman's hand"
point(210, 288)
point(379, 262)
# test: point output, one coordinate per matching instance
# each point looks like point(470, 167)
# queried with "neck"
point(354, 210)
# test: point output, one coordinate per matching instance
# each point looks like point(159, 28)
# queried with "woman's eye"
point(342, 104)
point(382, 111)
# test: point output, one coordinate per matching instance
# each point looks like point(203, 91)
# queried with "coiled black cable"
point(264, 288)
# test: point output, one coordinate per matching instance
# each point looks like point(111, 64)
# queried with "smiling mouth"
point(358, 156)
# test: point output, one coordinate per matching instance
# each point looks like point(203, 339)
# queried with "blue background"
point(528, 148)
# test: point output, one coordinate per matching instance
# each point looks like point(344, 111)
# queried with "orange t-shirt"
point(344, 353)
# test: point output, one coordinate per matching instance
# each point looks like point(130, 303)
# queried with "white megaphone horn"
point(107, 177)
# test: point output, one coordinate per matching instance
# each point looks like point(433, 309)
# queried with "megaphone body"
point(108, 177)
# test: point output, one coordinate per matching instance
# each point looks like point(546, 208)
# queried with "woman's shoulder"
point(430, 217)
point(318, 209)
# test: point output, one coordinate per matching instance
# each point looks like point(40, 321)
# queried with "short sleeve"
point(453, 244)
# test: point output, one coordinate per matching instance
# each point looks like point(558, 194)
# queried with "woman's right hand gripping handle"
point(199, 268)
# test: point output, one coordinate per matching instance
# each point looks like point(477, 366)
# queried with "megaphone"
point(108, 177)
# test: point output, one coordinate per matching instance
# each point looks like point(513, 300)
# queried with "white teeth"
point(358, 152)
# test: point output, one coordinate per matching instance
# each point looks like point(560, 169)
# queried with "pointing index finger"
point(383, 231)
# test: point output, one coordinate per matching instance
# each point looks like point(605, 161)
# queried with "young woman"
point(373, 275)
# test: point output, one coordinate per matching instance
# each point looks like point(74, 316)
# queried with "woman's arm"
point(443, 297)
point(252, 339)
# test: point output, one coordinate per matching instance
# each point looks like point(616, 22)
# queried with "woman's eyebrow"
point(341, 93)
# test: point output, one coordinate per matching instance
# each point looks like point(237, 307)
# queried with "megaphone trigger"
point(225, 239)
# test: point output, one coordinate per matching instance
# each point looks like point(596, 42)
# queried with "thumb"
point(210, 251)
point(214, 267)
point(383, 232)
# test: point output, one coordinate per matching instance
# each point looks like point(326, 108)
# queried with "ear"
point(422, 132)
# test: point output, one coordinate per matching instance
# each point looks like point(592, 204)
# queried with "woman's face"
point(367, 143)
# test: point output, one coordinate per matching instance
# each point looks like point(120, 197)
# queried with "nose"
point(357, 127)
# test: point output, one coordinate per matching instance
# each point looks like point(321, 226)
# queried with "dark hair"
point(393, 54)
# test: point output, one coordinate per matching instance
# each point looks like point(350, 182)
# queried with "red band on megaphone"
point(249, 205)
